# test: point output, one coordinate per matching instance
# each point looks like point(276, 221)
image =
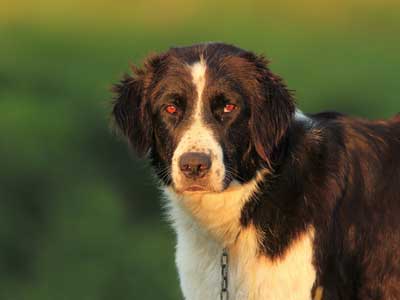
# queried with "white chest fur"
point(207, 223)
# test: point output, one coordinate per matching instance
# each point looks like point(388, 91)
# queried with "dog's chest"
point(204, 225)
point(251, 276)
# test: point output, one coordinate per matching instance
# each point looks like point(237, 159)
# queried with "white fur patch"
point(199, 138)
point(290, 277)
point(300, 116)
point(205, 223)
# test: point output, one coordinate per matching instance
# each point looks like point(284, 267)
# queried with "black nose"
point(194, 164)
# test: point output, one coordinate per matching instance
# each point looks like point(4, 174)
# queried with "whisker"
point(234, 172)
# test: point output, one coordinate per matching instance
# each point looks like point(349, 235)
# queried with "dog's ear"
point(272, 110)
point(131, 111)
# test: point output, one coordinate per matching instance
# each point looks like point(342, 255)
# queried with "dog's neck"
point(219, 213)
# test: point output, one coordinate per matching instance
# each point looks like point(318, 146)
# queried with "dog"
point(266, 202)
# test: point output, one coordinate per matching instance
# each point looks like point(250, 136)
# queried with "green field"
point(79, 215)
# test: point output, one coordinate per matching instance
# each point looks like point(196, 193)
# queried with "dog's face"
point(206, 115)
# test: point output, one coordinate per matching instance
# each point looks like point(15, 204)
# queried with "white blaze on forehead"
point(198, 137)
point(198, 72)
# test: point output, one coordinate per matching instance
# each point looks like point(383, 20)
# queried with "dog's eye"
point(229, 107)
point(171, 109)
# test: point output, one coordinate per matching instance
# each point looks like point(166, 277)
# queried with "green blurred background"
point(79, 215)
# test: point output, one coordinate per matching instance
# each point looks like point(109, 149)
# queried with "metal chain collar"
point(224, 273)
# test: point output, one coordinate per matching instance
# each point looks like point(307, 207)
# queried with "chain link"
point(224, 274)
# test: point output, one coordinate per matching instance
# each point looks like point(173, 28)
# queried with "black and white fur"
point(308, 206)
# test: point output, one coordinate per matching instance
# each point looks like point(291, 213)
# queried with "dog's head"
point(205, 115)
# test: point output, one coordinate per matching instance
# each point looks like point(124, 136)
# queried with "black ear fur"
point(272, 111)
point(131, 114)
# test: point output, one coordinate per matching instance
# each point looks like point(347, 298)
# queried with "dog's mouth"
point(195, 188)
point(202, 187)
